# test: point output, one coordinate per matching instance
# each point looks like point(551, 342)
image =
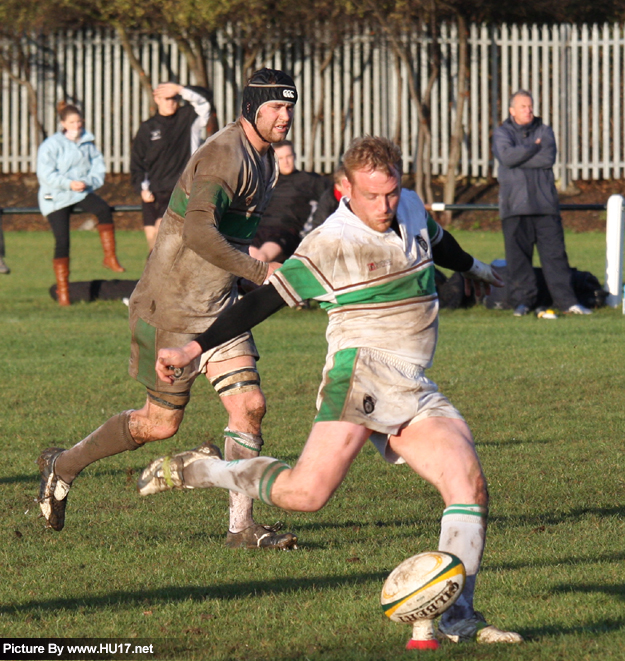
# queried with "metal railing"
point(23, 211)
point(441, 206)
point(615, 232)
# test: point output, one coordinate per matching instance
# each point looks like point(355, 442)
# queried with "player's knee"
point(146, 432)
point(255, 414)
point(152, 423)
point(254, 407)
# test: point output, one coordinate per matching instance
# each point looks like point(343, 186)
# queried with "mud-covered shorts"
point(381, 392)
point(146, 342)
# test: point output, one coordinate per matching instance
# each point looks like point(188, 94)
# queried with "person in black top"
point(328, 202)
point(291, 204)
point(163, 145)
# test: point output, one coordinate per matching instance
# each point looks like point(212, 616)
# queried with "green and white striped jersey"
point(378, 288)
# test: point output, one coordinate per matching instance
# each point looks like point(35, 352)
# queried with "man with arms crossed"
point(371, 266)
point(189, 279)
point(530, 210)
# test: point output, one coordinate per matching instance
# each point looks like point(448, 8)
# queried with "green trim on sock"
point(268, 478)
point(239, 441)
point(470, 510)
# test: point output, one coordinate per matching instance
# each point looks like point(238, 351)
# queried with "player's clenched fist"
point(169, 359)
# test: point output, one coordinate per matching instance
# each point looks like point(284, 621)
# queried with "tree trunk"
point(423, 185)
point(398, 116)
point(318, 118)
point(458, 131)
point(24, 81)
point(201, 72)
point(193, 51)
point(146, 82)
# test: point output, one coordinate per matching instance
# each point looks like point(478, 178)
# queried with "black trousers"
point(59, 221)
point(521, 234)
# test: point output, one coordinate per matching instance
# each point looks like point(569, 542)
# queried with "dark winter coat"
point(290, 204)
point(526, 182)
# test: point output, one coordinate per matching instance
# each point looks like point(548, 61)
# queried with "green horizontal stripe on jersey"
point(239, 225)
point(209, 193)
point(179, 201)
point(413, 285)
point(301, 279)
point(336, 388)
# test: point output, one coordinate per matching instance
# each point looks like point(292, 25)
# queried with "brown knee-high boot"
point(107, 236)
point(61, 271)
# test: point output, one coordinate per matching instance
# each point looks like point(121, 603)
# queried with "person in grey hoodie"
point(530, 209)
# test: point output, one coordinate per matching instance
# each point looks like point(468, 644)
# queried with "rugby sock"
point(463, 533)
point(241, 446)
point(111, 438)
point(252, 477)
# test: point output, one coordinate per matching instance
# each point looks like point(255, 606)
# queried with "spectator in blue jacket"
point(69, 169)
point(530, 209)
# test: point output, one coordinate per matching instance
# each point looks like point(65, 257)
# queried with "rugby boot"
point(107, 237)
point(166, 473)
point(262, 537)
point(476, 629)
point(52, 490)
point(61, 271)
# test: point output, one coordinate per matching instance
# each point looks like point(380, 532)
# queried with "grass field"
point(546, 402)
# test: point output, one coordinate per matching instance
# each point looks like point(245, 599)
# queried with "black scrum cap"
point(264, 86)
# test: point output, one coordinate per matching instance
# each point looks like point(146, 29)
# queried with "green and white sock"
point(463, 533)
point(252, 477)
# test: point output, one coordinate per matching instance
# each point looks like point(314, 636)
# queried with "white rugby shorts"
point(381, 392)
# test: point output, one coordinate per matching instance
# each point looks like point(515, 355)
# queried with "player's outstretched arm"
point(448, 254)
point(241, 317)
point(482, 277)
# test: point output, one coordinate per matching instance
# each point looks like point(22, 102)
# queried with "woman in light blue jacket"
point(69, 169)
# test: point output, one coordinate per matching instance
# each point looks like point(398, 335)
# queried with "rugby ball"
point(423, 587)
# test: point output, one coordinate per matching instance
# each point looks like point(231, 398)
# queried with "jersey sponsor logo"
point(374, 266)
point(155, 135)
point(288, 94)
point(422, 242)
point(368, 404)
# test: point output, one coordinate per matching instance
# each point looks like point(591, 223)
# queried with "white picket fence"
point(576, 74)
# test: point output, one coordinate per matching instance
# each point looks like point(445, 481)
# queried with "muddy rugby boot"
point(166, 473)
point(477, 629)
point(52, 490)
point(262, 537)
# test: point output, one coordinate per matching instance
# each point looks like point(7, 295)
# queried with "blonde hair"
point(372, 153)
point(339, 174)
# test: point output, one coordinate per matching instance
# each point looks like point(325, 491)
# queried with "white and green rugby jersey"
point(377, 288)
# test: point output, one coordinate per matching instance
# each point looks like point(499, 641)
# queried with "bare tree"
point(392, 17)
point(22, 27)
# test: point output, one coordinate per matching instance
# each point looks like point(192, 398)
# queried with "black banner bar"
point(46, 649)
